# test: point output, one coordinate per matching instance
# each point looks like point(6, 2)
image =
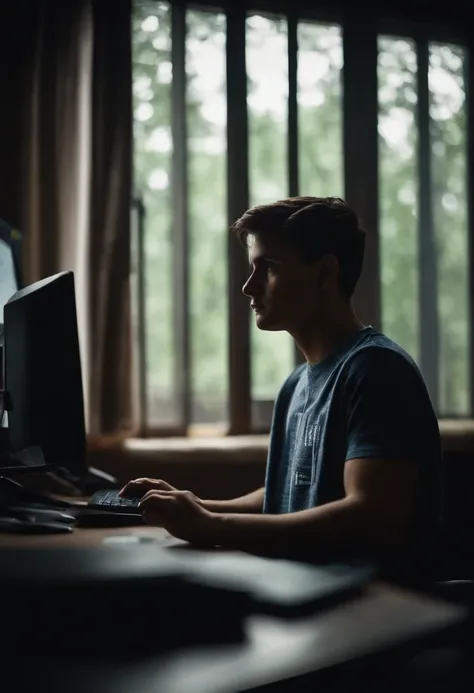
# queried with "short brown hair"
point(315, 226)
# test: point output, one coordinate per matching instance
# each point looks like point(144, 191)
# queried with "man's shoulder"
point(380, 362)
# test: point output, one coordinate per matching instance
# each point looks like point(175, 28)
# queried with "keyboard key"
point(113, 500)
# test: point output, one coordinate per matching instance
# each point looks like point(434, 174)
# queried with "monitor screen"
point(11, 241)
point(43, 372)
point(8, 279)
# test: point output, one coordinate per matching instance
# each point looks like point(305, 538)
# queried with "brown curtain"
point(65, 160)
point(110, 218)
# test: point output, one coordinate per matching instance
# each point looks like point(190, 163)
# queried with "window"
point(320, 109)
point(398, 176)
point(272, 354)
point(152, 76)
point(423, 212)
point(447, 108)
point(282, 117)
point(207, 145)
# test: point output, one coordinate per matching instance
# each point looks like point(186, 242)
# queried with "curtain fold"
point(65, 162)
point(110, 344)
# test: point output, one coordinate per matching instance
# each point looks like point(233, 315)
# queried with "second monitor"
point(43, 373)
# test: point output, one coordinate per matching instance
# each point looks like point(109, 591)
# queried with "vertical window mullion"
point(427, 254)
point(293, 166)
point(360, 128)
point(293, 163)
point(180, 225)
point(139, 299)
point(470, 201)
point(237, 203)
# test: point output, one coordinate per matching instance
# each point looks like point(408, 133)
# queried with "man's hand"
point(138, 487)
point(180, 513)
point(250, 503)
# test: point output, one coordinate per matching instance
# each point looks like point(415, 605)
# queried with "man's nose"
point(248, 287)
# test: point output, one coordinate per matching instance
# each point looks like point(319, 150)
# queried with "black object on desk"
point(43, 372)
point(91, 517)
point(13, 494)
point(43, 379)
point(13, 525)
point(23, 511)
point(41, 514)
point(282, 588)
point(35, 469)
point(113, 600)
point(148, 596)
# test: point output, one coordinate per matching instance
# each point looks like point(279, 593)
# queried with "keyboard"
point(110, 500)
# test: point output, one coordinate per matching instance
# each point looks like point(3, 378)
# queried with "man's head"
point(306, 256)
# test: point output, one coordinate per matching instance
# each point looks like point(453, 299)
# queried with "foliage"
point(321, 173)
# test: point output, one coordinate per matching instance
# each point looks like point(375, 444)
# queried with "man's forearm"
point(343, 523)
point(250, 503)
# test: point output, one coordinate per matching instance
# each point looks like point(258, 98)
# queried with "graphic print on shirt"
point(304, 458)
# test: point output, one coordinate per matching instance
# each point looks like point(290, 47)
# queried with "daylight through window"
point(296, 121)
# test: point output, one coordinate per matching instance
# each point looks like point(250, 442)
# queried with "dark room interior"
point(133, 134)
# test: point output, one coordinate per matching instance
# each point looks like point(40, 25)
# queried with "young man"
point(355, 456)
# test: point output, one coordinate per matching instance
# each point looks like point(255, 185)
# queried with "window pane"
point(267, 69)
point(320, 110)
point(153, 146)
point(448, 139)
point(207, 146)
point(398, 178)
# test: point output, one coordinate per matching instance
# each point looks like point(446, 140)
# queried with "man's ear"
point(328, 270)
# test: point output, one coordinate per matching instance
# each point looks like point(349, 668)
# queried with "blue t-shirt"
point(368, 399)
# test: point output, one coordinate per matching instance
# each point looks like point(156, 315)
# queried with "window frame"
point(361, 163)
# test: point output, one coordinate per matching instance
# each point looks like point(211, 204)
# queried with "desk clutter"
point(146, 596)
point(27, 511)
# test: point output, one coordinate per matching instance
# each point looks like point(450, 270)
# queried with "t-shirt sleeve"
point(388, 410)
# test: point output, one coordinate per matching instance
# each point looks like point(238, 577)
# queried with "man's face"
point(285, 293)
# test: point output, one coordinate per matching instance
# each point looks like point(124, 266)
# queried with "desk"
point(274, 651)
point(84, 537)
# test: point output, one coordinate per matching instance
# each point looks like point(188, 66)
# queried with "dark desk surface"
point(84, 537)
point(274, 650)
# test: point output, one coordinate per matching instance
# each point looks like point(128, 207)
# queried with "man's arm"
point(250, 503)
point(374, 514)
point(387, 414)
point(391, 433)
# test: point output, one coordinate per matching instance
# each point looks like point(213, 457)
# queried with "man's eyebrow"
point(263, 258)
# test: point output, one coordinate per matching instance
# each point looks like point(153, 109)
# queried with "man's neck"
point(318, 344)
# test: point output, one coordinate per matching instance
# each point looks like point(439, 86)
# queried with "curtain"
point(66, 160)
point(111, 393)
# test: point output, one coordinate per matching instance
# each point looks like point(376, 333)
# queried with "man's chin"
point(266, 323)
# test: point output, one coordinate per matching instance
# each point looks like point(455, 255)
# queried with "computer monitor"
point(10, 263)
point(43, 372)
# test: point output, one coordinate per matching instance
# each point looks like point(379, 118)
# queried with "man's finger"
point(161, 485)
point(157, 494)
point(134, 483)
point(146, 484)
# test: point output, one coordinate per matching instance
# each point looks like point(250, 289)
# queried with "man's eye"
point(264, 268)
